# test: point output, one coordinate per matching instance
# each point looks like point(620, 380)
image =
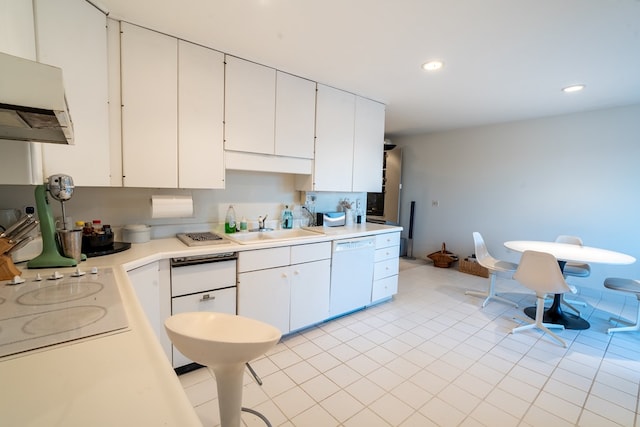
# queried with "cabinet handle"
point(207, 297)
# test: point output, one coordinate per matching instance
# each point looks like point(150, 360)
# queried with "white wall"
point(576, 174)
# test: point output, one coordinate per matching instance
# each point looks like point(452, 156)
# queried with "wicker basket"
point(472, 267)
point(443, 258)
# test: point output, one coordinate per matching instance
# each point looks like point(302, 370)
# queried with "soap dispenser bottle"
point(287, 217)
point(230, 221)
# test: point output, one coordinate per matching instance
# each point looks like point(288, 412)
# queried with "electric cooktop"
point(47, 310)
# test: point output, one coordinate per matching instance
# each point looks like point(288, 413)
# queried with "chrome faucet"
point(311, 216)
point(261, 221)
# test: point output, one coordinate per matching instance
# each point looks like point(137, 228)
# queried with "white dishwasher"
point(351, 274)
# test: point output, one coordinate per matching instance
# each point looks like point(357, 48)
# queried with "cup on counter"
point(71, 243)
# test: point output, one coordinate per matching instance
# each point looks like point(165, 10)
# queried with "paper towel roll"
point(171, 206)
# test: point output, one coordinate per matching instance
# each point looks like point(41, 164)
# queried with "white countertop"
point(122, 378)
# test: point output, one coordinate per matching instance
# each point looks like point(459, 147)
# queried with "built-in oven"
point(202, 283)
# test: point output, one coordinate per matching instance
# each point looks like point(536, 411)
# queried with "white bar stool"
point(224, 343)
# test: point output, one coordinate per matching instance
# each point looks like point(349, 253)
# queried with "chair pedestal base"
point(490, 294)
point(631, 326)
point(555, 315)
point(229, 379)
point(539, 323)
point(488, 298)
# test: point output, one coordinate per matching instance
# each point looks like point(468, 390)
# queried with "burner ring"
point(61, 292)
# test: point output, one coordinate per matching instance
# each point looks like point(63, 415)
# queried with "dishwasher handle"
point(353, 244)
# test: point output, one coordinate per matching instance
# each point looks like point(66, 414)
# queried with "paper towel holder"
point(168, 206)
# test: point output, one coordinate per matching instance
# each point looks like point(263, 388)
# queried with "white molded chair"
point(540, 272)
point(624, 285)
point(573, 269)
point(494, 266)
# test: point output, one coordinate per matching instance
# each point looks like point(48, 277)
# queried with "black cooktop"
point(108, 250)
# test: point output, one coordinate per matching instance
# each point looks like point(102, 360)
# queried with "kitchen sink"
point(272, 236)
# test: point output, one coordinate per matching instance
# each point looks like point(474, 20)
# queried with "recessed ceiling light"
point(432, 65)
point(574, 88)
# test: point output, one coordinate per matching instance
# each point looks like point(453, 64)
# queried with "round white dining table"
point(567, 252)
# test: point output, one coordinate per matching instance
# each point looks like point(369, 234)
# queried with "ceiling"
point(504, 60)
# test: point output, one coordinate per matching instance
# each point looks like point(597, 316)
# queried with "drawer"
point(384, 288)
point(202, 277)
point(386, 268)
point(387, 253)
point(263, 258)
point(310, 252)
point(387, 239)
point(221, 300)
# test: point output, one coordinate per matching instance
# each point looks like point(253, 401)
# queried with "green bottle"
point(230, 221)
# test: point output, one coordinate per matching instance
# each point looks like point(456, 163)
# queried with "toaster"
point(333, 219)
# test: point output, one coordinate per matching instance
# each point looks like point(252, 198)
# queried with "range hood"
point(33, 106)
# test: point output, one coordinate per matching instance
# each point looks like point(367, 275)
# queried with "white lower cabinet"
point(264, 295)
point(287, 287)
point(309, 293)
point(151, 285)
point(385, 269)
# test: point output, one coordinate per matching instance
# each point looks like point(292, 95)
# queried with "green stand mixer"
point(61, 188)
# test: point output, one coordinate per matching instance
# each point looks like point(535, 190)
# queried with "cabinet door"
point(72, 35)
point(310, 285)
point(149, 108)
point(250, 95)
point(200, 117)
point(333, 164)
point(384, 288)
point(17, 37)
point(368, 145)
point(148, 284)
point(295, 116)
point(264, 295)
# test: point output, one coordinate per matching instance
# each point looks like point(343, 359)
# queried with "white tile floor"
point(433, 357)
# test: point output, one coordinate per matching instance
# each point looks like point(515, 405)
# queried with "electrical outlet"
point(309, 200)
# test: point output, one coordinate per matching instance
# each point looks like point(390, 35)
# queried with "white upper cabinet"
point(250, 94)
point(149, 64)
point(349, 144)
point(295, 116)
point(368, 146)
point(17, 36)
point(172, 111)
point(269, 119)
point(72, 35)
point(22, 165)
point(334, 140)
point(200, 117)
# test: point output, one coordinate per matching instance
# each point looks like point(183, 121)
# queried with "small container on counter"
point(136, 233)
